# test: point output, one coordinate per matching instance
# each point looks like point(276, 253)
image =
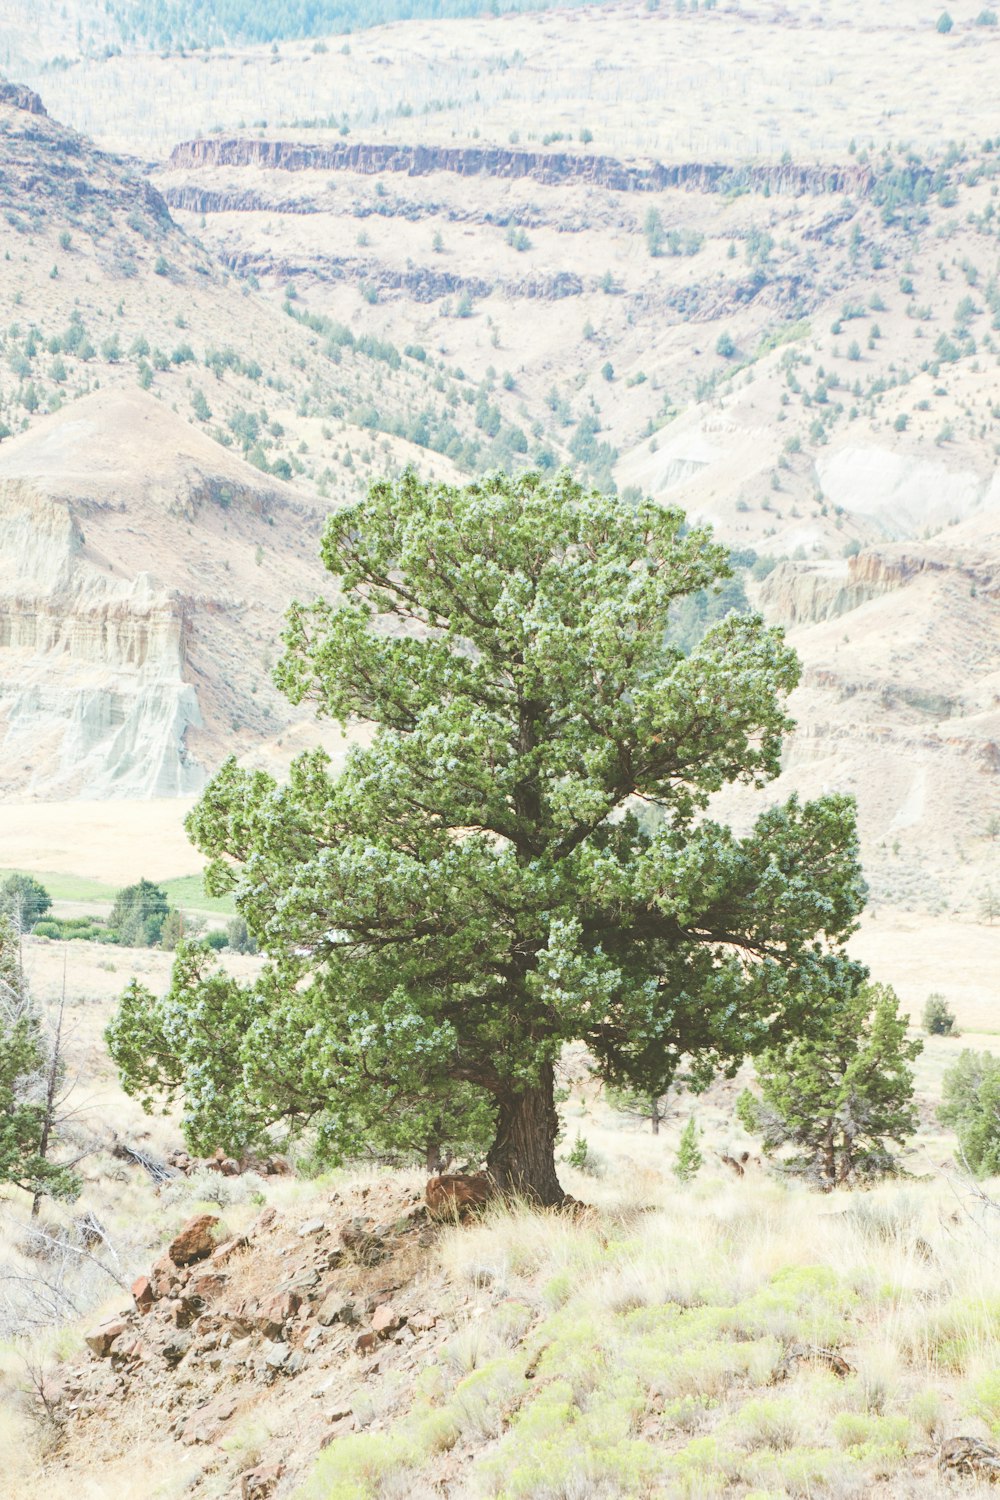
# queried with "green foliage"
point(725, 345)
point(472, 891)
point(840, 1093)
point(138, 914)
point(172, 930)
point(938, 1018)
point(199, 405)
point(23, 899)
point(971, 1106)
point(944, 23)
point(25, 1061)
point(238, 937)
point(689, 1160)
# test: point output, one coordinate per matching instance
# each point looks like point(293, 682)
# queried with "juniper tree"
point(840, 1096)
point(473, 890)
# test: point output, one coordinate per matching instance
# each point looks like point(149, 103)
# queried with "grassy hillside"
point(186, 892)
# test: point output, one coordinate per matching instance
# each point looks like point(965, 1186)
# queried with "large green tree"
point(474, 890)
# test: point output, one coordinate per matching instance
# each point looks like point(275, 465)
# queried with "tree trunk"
point(522, 1159)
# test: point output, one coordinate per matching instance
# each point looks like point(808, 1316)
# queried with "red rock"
point(163, 1277)
point(386, 1319)
point(100, 1339)
point(195, 1241)
point(365, 1343)
point(228, 1248)
point(204, 1425)
point(142, 1291)
point(257, 1484)
point(207, 1284)
point(275, 1313)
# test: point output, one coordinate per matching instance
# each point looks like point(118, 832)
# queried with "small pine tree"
point(841, 1094)
point(989, 906)
point(689, 1159)
point(938, 1017)
point(971, 1106)
point(944, 23)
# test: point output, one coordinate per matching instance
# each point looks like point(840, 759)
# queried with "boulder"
point(196, 1240)
point(386, 1319)
point(225, 1251)
point(257, 1484)
point(275, 1313)
point(336, 1308)
point(100, 1339)
point(142, 1291)
point(164, 1278)
point(206, 1284)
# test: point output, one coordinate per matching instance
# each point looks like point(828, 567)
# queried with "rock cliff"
point(552, 167)
point(142, 575)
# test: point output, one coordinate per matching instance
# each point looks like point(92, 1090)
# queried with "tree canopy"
point(474, 889)
point(24, 899)
point(138, 914)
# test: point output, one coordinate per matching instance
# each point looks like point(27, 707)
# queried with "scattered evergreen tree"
point(989, 906)
point(473, 891)
point(689, 1159)
point(938, 1017)
point(840, 1096)
point(172, 930)
point(138, 914)
point(944, 23)
point(30, 1077)
point(725, 345)
point(23, 899)
point(971, 1106)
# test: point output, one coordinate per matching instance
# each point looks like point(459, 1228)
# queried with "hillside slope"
point(143, 570)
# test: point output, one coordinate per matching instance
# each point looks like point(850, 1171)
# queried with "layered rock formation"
point(143, 571)
point(368, 158)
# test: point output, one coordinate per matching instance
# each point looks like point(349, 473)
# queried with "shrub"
point(938, 1017)
point(944, 23)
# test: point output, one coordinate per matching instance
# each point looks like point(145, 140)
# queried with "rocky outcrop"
point(551, 167)
point(130, 601)
point(16, 96)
